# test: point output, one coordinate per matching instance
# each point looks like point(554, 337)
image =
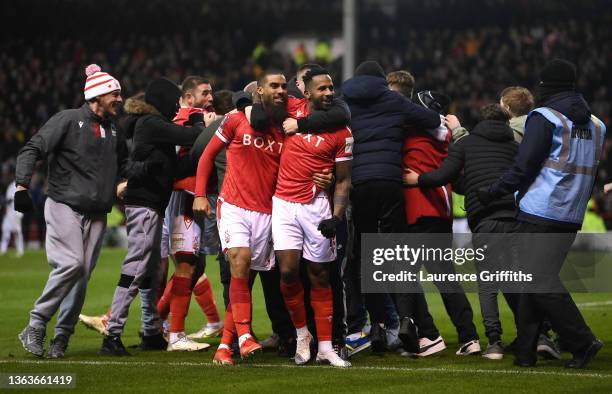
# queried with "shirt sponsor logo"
point(266, 144)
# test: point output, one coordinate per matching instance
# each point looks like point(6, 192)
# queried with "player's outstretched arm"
point(337, 116)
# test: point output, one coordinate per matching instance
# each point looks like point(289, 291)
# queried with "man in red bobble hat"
point(86, 157)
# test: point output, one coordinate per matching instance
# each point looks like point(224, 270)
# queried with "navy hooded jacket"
point(378, 119)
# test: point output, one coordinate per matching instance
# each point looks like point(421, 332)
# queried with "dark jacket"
point(154, 141)
point(535, 148)
point(483, 155)
point(85, 154)
point(378, 120)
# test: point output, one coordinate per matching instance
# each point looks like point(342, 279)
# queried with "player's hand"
point(323, 179)
point(452, 122)
point(328, 227)
point(121, 188)
point(410, 177)
point(607, 187)
point(201, 207)
point(23, 201)
point(290, 126)
point(209, 118)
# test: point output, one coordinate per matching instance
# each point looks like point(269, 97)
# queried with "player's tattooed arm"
point(343, 186)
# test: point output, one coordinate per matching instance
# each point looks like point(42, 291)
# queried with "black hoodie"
point(535, 148)
point(483, 155)
point(154, 140)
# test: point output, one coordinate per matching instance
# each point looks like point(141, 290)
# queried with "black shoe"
point(582, 359)
point(33, 340)
point(525, 362)
point(378, 338)
point(408, 335)
point(112, 346)
point(58, 347)
point(286, 347)
point(511, 347)
point(153, 342)
point(547, 348)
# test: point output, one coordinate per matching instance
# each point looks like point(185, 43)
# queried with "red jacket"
point(423, 152)
point(188, 184)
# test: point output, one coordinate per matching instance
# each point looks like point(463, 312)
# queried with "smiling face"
point(273, 90)
point(110, 103)
point(320, 91)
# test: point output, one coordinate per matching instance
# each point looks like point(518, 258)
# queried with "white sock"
point(325, 346)
point(243, 338)
point(302, 331)
point(223, 346)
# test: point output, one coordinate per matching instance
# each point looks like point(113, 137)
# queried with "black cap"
point(558, 73)
point(241, 99)
point(164, 95)
point(370, 67)
point(435, 101)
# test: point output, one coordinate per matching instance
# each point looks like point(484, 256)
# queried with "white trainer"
point(427, 347)
point(469, 348)
point(210, 330)
point(97, 323)
point(332, 358)
point(302, 350)
point(184, 344)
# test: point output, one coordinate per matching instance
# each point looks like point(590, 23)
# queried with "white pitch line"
point(358, 368)
point(595, 303)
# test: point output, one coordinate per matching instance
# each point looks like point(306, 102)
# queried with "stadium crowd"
point(401, 156)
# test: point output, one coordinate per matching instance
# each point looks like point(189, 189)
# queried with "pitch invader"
point(303, 223)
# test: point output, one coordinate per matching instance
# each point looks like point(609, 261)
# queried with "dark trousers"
point(558, 306)
point(456, 303)
point(500, 256)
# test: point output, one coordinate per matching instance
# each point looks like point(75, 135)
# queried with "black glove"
point(327, 227)
point(23, 201)
point(195, 118)
point(154, 167)
point(484, 196)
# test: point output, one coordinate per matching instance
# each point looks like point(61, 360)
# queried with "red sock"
point(206, 299)
point(163, 305)
point(179, 304)
point(229, 328)
point(293, 294)
point(321, 300)
point(240, 298)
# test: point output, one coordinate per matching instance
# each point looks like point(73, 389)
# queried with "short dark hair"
point(518, 99)
point(222, 102)
point(192, 82)
point(404, 81)
point(494, 112)
point(272, 71)
point(313, 72)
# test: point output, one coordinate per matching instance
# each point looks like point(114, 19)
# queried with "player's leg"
point(6, 235)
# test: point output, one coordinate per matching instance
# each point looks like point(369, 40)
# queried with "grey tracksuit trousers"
point(73, 245)
point(139, 271)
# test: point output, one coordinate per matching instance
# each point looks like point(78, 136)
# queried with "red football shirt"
point(304, 154)
point(252, 163)
point(188, 183)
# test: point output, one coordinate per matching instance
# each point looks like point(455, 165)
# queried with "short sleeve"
point(344, 144)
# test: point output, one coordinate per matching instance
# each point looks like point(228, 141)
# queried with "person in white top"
point(11, 223)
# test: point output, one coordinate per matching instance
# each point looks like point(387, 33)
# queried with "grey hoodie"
point(84, 153)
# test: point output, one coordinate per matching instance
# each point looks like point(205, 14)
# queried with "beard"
point(276, 112)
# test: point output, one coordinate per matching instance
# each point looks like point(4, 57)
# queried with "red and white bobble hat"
point(98, 82)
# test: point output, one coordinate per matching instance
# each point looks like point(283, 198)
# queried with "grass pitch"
point(22, 280)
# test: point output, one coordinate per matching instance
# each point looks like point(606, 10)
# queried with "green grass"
point(21, 281)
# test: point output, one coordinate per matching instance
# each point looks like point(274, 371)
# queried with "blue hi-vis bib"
point(563, 188)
